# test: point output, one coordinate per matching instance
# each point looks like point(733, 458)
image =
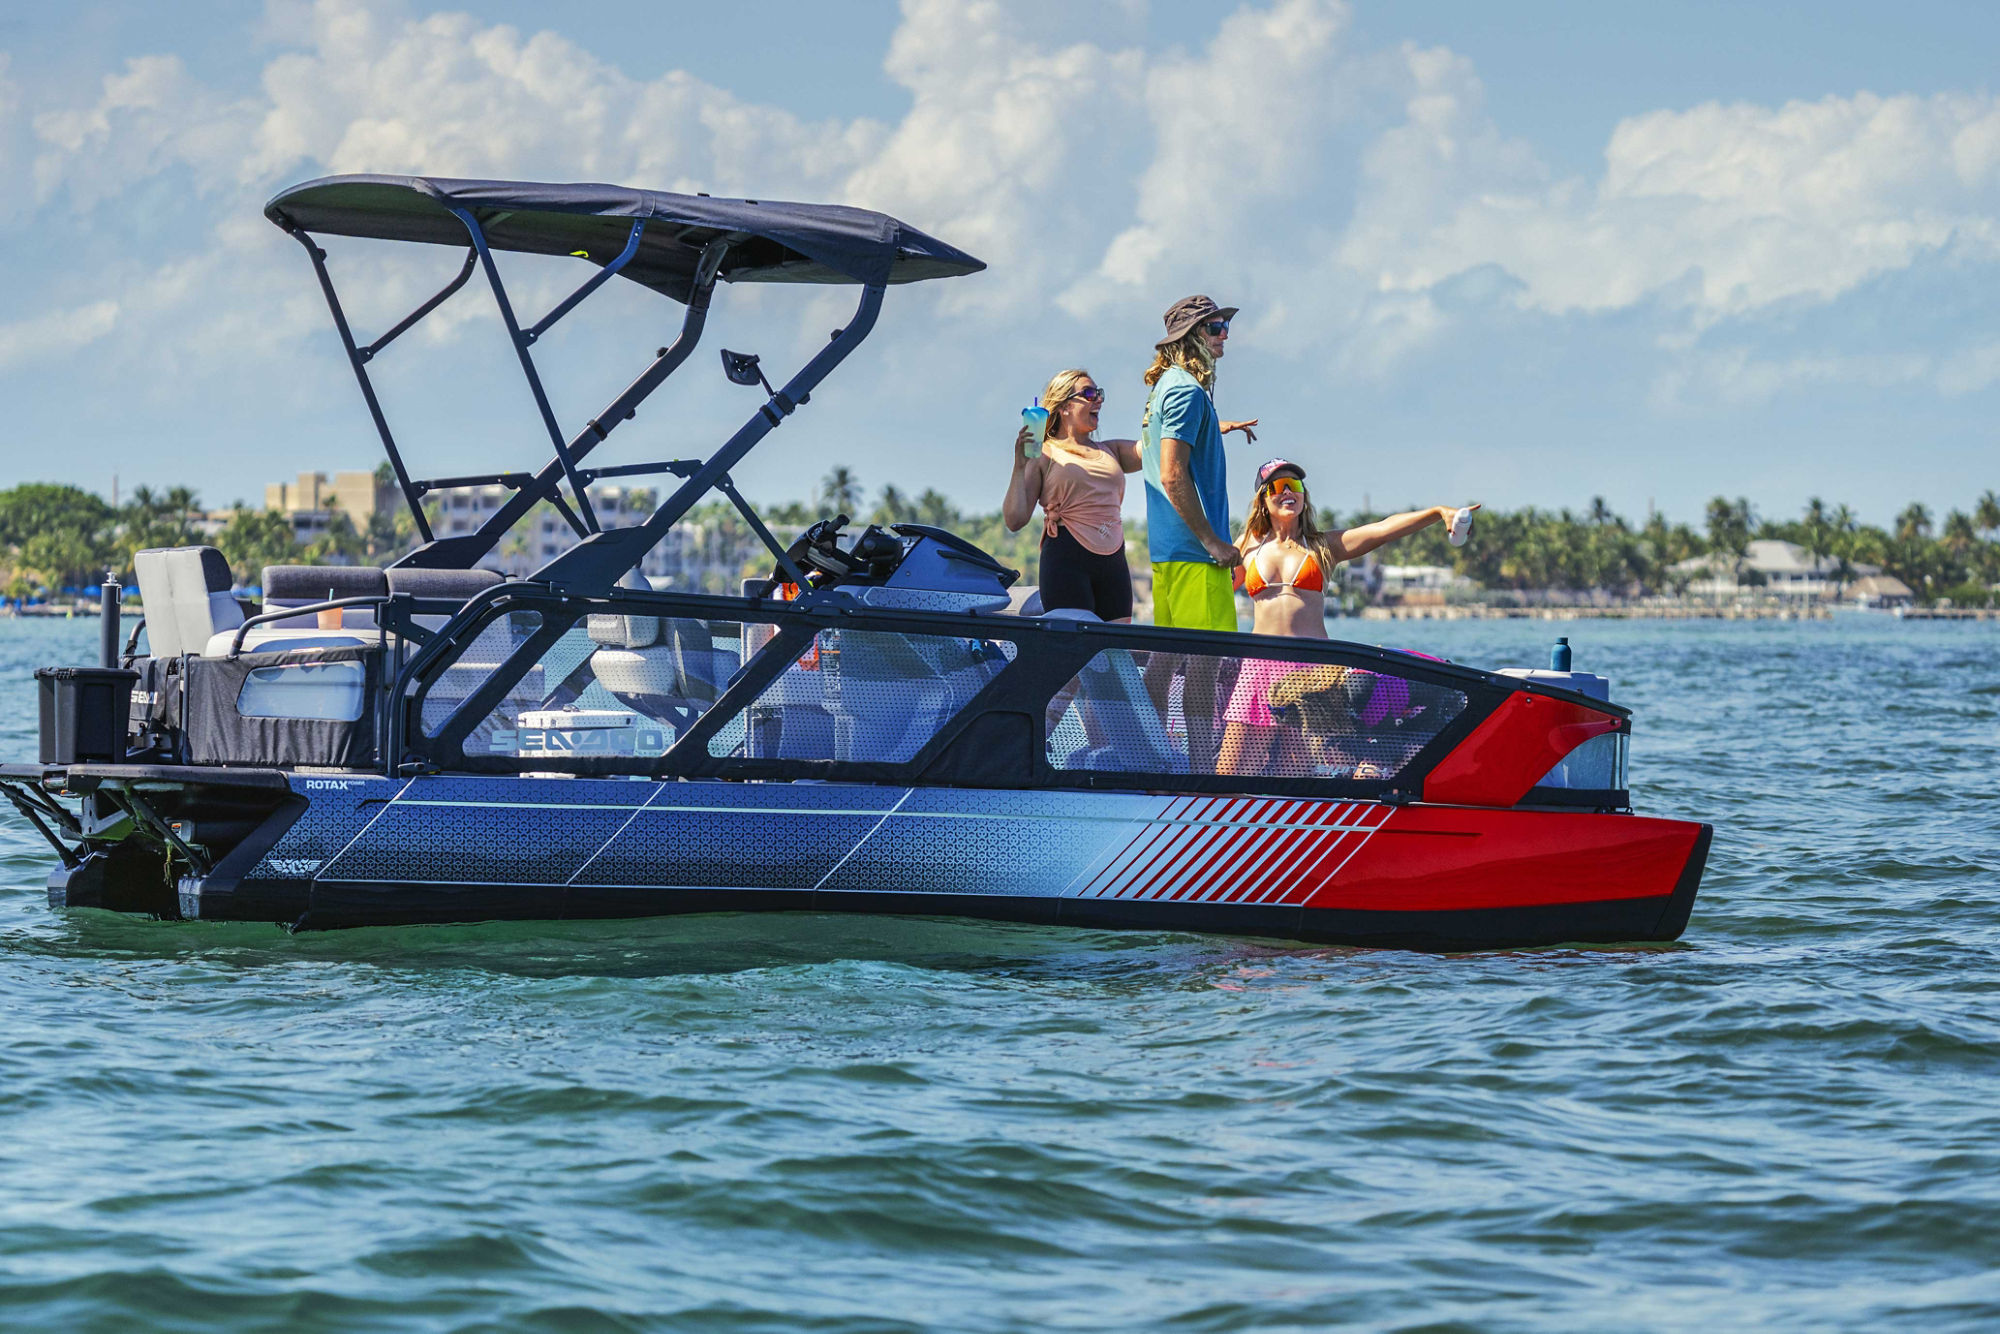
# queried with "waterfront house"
point(1778, 569)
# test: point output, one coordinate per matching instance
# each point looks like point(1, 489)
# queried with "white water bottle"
point(1461, 527)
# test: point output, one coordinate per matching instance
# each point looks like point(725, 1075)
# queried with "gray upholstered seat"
point(187, 599)
point(303, 585)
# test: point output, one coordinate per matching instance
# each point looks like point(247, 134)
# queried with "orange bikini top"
point(1307, 578)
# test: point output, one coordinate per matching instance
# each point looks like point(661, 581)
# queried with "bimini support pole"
point(524, 339)
point(464, 550)
point(595, 564)
point(358, 358)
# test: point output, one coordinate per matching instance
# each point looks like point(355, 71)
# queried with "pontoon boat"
point(873, 728)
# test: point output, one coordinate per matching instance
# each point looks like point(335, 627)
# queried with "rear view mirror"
point(742, 368)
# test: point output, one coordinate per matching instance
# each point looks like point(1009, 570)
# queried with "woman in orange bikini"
point(1285, 563)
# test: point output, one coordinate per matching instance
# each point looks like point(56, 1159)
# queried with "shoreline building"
point(312, 500)
point(692, 554)
point(1773, 568)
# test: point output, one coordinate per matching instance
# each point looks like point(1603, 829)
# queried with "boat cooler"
point(85, 713)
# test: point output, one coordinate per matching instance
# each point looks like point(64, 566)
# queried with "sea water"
point(1791, 1119)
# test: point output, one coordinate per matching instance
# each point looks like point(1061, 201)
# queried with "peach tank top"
point(1084, 491)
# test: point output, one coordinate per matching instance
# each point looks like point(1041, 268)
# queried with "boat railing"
point(530, 679)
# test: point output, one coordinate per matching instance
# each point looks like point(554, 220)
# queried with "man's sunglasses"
point(1216, 328)
point(1094, 394)
point(1277, 484)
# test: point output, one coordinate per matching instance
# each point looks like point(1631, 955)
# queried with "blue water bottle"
point(1559, 656)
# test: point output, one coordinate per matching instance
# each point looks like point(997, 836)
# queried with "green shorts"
point(1193, 595)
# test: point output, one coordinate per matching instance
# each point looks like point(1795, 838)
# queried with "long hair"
point(1061, 390)
point(1191, 354)
point(1259, 526)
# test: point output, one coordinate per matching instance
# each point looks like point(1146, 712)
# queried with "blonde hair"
point(1190, 353)
point(1258, 525)
point(1061, 390)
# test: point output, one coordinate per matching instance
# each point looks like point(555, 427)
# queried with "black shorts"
point(1075, 576)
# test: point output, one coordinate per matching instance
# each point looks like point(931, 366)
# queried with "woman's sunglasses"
point(1277, 484)
point(1094, 394)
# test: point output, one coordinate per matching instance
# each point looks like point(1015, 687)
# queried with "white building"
point(1786, 570)
point(1422, 579)
point(543, 534)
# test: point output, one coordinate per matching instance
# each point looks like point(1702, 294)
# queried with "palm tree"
point(182, 507)
point(936, 509)
point(1817, 538)
point(1840, 545)
point(1914, 523)
point(893, 507)
point(1729, 527)
point(840, 490)
point(1986, 514)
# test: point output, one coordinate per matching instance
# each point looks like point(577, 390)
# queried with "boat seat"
point(187, 599)
point(303, 585)
point(440, 585)
point(280, 639)
point(667, 669)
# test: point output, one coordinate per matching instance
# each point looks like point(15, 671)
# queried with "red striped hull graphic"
point(1269, 850)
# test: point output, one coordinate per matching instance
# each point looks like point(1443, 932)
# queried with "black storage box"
point(86, 712)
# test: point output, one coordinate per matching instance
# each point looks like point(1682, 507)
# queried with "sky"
point(1526, 254)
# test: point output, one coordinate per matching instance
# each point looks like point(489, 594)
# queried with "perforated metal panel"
point(668, 681)
point(469, 670)
point(1248, 716)
point(864, 696)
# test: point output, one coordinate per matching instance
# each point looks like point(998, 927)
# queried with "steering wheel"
point(817, 552)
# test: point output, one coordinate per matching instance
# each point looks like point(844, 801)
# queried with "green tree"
point(840, 491)
point(63, 559)
point(892, 507)
point(936, 509)
point(1914, 523)
point(1986, 514)
point(1729, 527)
point(253, 539)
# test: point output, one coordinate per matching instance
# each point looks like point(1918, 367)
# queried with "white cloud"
point(1355, 203)
point(1239, 134)
point(1738, 377)
point(148, 118)
point(443, 95)
point(56, 333)
point(1007, 147)
point(1720, 210)
point(1970, 369)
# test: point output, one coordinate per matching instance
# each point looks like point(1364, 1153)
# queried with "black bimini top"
point(771, 242)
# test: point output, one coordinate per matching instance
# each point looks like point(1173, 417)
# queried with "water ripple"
point(1785, 1121)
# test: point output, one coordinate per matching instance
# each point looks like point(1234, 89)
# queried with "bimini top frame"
point(677, 245)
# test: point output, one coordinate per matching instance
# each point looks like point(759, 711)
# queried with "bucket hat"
point(1189, 311)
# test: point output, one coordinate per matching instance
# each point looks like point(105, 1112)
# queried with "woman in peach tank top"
point(1079, 481)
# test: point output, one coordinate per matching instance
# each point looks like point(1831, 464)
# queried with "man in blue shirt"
point(1187, 489)
point(1187, 511)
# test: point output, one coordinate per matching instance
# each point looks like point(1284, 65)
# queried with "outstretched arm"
point(1357, 542)
point(1024, 488)
point(1127, 452)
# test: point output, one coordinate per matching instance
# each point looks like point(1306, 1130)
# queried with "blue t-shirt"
point(1181, 409)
